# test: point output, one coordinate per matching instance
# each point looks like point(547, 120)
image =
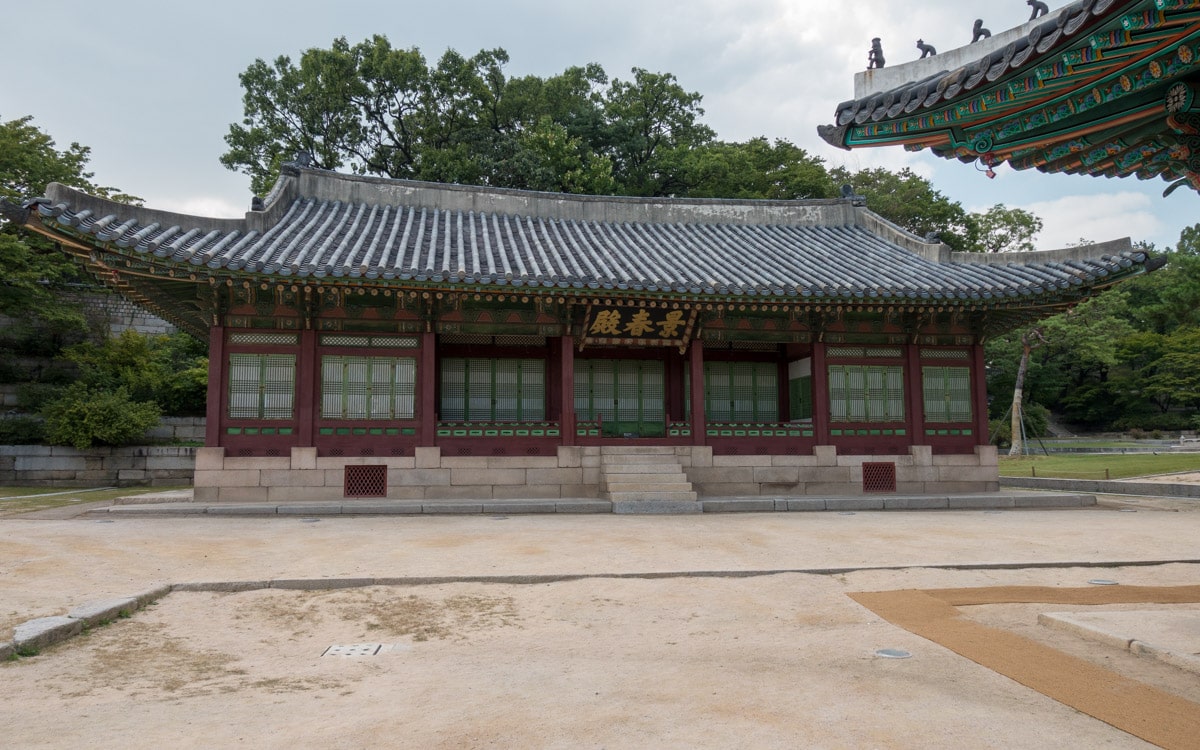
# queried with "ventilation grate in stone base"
point(879, 477)
point(365, 481)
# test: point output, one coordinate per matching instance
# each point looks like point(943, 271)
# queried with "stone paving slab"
point(1169, 636)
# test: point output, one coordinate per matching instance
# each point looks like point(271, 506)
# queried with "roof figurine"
point(875, 55)
point(1039, 9)
point(978, 32)
point(927, 50)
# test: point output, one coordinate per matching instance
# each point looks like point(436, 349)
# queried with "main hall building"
point(403, 340)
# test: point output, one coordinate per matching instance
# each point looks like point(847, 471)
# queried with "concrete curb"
point(1104, 487)
point(1065, 622)
point(36, 634)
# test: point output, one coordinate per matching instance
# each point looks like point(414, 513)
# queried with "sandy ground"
point(1192, 477)
point(697, 659)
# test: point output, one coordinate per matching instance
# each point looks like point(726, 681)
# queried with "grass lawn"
point(1093, 466)
point(17, 500)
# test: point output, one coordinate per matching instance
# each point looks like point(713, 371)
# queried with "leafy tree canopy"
point(384, 111)
point(30, 267)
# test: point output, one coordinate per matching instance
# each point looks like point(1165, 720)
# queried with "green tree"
point(757, 168)
point(32, 270)
point(1003, 229)
point(652, 124)
point(912, 202)
point(379, 110)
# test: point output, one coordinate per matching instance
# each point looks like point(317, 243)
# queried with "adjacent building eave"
point(1102, 87)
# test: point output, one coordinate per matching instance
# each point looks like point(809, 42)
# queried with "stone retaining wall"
point(179, 429)
point(575, 473)
point(133, 466)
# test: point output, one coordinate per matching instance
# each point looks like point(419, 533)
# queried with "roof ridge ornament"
point(1039, 8)
point(854, 198)
point(300, 160)
point(978, 32)
point(875, 55)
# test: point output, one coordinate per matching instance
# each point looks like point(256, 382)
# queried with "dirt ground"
point(657, 645)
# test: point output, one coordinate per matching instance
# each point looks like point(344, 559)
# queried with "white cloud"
point(1096, 218)
point(202, 205)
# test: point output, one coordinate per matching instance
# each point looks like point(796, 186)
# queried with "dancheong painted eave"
point(1097, 87)
point(329, 229)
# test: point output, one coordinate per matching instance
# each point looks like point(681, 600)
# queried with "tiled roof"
point(324, 227)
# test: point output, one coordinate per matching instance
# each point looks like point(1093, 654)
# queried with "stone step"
point(626, 497)
point(633, 458)
point(637, 450)
point(619, 487)
point(642, 468)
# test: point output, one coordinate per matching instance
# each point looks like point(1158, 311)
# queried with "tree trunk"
point(1027, 346)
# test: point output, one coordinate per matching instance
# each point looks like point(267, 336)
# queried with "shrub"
point(31, 397)
point(83, 417)
point(1037, 422)
point(21, 430)
point(1170, 422)
point(171, 371)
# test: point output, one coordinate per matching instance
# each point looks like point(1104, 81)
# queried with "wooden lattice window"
point(262, 386)
point(741, 391)
point(879, 477)
point(365, 481)
point(368, 387)
point(947, 394)
point(866, 393)
point(493, 390)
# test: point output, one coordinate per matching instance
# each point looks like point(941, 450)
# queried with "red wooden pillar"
point(306, 380)
point(215, 406)
point(699, 418)
point(427, 393)
point(566, 383)
point(915, 396)
point(979, 385)
point(820, 394)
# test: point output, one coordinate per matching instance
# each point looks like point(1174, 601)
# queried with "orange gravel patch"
point(1144, 711)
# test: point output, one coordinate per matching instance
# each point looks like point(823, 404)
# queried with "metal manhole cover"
point(354, 649)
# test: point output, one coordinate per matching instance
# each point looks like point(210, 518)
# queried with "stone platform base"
point(575, 472)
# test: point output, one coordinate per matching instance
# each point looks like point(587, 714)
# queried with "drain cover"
point(354, 649)
point(893, 653)
point(1102, 582)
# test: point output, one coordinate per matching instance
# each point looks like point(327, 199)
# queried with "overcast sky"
point(152, 87)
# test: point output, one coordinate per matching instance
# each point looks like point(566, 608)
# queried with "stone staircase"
point(645, 479)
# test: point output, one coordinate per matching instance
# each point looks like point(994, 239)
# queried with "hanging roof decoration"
point(1098, 87)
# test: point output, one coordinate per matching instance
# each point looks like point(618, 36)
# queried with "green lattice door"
point(626, 395)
